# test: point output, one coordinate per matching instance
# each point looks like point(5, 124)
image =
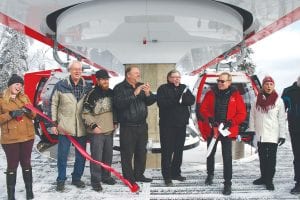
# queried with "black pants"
point(267, 160)
point(172, 142)
point(133, 141)
point(227, 158)
point(295, 139)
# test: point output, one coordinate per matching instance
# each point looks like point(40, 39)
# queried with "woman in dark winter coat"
point(268, 120)
point(17, 134)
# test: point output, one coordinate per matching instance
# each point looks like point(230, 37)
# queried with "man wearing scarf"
point(268, 120)
point(291, 98)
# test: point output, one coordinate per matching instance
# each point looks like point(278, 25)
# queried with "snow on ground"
point(245, 171)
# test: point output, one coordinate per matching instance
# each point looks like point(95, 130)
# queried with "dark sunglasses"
point(221, 81)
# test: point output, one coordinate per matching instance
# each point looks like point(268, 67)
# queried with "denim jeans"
point(62, 157)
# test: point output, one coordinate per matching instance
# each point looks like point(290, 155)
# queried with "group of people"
point(224, 105)
point(94, 113)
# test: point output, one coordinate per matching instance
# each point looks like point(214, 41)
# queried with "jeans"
point(62, 157)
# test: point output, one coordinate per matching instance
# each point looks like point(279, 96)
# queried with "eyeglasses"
point(221, 81)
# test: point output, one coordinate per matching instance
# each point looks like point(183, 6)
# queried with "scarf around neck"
point(266, 102)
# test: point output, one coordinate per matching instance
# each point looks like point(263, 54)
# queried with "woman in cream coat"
point(268, 120)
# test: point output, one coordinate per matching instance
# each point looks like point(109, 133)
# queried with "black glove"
point(247, 134)
point(281, 141)
point(227, 124)
point(16, 113)
point(26, 110)
point(213, 122)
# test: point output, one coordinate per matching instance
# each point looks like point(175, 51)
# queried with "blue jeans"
point(62, 157)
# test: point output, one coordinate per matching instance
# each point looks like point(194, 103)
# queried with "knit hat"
point(268, 79)
point(15, 79)
point(102, 74)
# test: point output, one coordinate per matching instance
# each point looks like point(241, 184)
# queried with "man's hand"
point(54, 130)
point(212, 122)
point(227, 124)
point(116, 126)
point(138, 90)
point(146, 89)
point(16, 113)
point(281, 141)
point(97, 130)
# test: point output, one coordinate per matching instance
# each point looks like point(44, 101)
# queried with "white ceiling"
point(175, 31)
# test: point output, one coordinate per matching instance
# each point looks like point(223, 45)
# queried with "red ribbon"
point(133, 187)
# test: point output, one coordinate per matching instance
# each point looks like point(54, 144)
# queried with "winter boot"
point(296, 189)
point(259, 181)
point(11, 183)
point(209, 179)
point(270, 185)
point(227, 189)
point(27, 177)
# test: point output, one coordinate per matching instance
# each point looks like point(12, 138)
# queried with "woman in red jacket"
point(17, 134)
point(222, 104)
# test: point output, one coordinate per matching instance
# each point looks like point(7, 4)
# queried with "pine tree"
point(13, 55)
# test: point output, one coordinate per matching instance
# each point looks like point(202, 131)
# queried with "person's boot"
point(209, 179)
point(270, 185)
point(96, 186)
point(11, 183)
point(259, 181)
point(296, 189)
point(27, 177)
point(227, 189)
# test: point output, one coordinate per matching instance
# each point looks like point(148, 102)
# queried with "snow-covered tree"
point(13, 55)
point(247, 64)
point(38, 58)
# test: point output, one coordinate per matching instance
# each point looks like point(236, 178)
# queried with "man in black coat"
point(131, 99)
point(174, 100)
point(291, 98)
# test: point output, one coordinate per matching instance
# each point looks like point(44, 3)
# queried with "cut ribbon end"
point(135, 187)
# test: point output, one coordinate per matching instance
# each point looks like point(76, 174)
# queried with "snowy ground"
point(245, 171)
